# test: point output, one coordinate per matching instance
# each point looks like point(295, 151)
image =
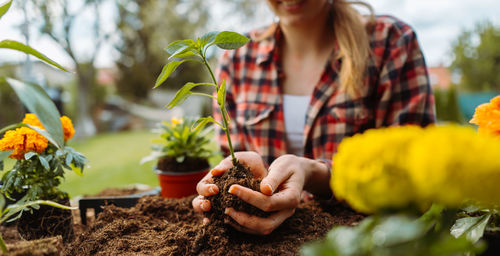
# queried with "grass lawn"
point(114, 162)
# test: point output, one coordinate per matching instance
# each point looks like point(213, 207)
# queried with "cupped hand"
point(287, 176)
point(206, 187)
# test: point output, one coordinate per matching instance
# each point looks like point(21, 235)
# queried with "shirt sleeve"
point(406, 96)
point(225, 71)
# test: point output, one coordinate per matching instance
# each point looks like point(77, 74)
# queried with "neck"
point(313, 37)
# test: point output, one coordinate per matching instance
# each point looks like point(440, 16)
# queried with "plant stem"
point(224, 113)
point(2, 245)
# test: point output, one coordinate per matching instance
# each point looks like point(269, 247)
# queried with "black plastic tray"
point(120, 201)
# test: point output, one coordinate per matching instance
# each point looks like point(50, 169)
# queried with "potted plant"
point(38, 170)
point(182, 157)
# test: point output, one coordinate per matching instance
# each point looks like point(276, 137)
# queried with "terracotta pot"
point(177, 185)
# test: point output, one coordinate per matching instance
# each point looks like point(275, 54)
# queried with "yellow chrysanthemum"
point(450, 164)
point(68, 128)
point(393, 168)
point(23, 140)
point(487, 116)
point(369, 169)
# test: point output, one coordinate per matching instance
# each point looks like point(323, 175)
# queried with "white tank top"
point(295, 109)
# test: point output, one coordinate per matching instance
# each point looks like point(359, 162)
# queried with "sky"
point(436, 22)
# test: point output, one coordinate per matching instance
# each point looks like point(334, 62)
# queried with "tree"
point(145, 28)
point(58, 22)
point(477, 58)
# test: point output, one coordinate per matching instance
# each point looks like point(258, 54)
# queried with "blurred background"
point(115, 50)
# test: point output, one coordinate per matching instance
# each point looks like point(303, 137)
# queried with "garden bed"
point(158, 226)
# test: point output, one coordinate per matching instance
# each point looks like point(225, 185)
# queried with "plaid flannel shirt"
point(396, 92)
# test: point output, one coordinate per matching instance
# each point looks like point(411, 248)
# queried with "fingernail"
point(216, 172)
point(213, 190)
point(227, 211)
point(267, 189)
point(233, 190)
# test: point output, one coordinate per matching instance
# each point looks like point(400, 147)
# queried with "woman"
point(322, 73)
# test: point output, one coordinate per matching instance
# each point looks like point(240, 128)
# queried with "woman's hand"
point(206, 187)
point(288, 175)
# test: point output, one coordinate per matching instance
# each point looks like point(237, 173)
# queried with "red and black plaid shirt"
point(396, 92)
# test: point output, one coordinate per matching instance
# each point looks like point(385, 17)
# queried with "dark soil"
point(170, 164)
point(46, 222)
point(241, 175)
point(158, 226)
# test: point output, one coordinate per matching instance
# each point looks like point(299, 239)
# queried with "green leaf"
point(5, 154)
point(397, 229)
point(14, 45)
point(181, 49)
point(2, 203)
point(221, 94)
point(44, 133)
point(167, 71)
point(182, 94)
point(208, 38)
point(44, 163)
point(3, 247)
point(29, 155)
point(180, 159)
point(472, 227)
point(202, 122)
point(69, 159)
point(11, 127)
point(4, 8)
point(38, 102)
point(78, 171)
point(230, 40)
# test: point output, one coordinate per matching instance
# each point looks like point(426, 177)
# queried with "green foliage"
point(447, 106)
point(191, 50)
point(33, 96)
point(478, 63)
point(180, 141)
point(4, 8)
point(474, 221)
point(11, 44)
point(395, 235)
point(41, 174)
point(7, 213)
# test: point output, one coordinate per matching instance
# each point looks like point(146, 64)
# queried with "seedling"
point(191, 50)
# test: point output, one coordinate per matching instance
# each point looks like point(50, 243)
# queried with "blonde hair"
point(351, 33)
point(354, 43)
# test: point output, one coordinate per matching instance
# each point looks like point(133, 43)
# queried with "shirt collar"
point(268, 47)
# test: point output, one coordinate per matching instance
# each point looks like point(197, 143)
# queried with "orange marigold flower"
point(32, 120)
point(487, 116)
point(68, 128)
point(23, 140)
point(67, 125)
